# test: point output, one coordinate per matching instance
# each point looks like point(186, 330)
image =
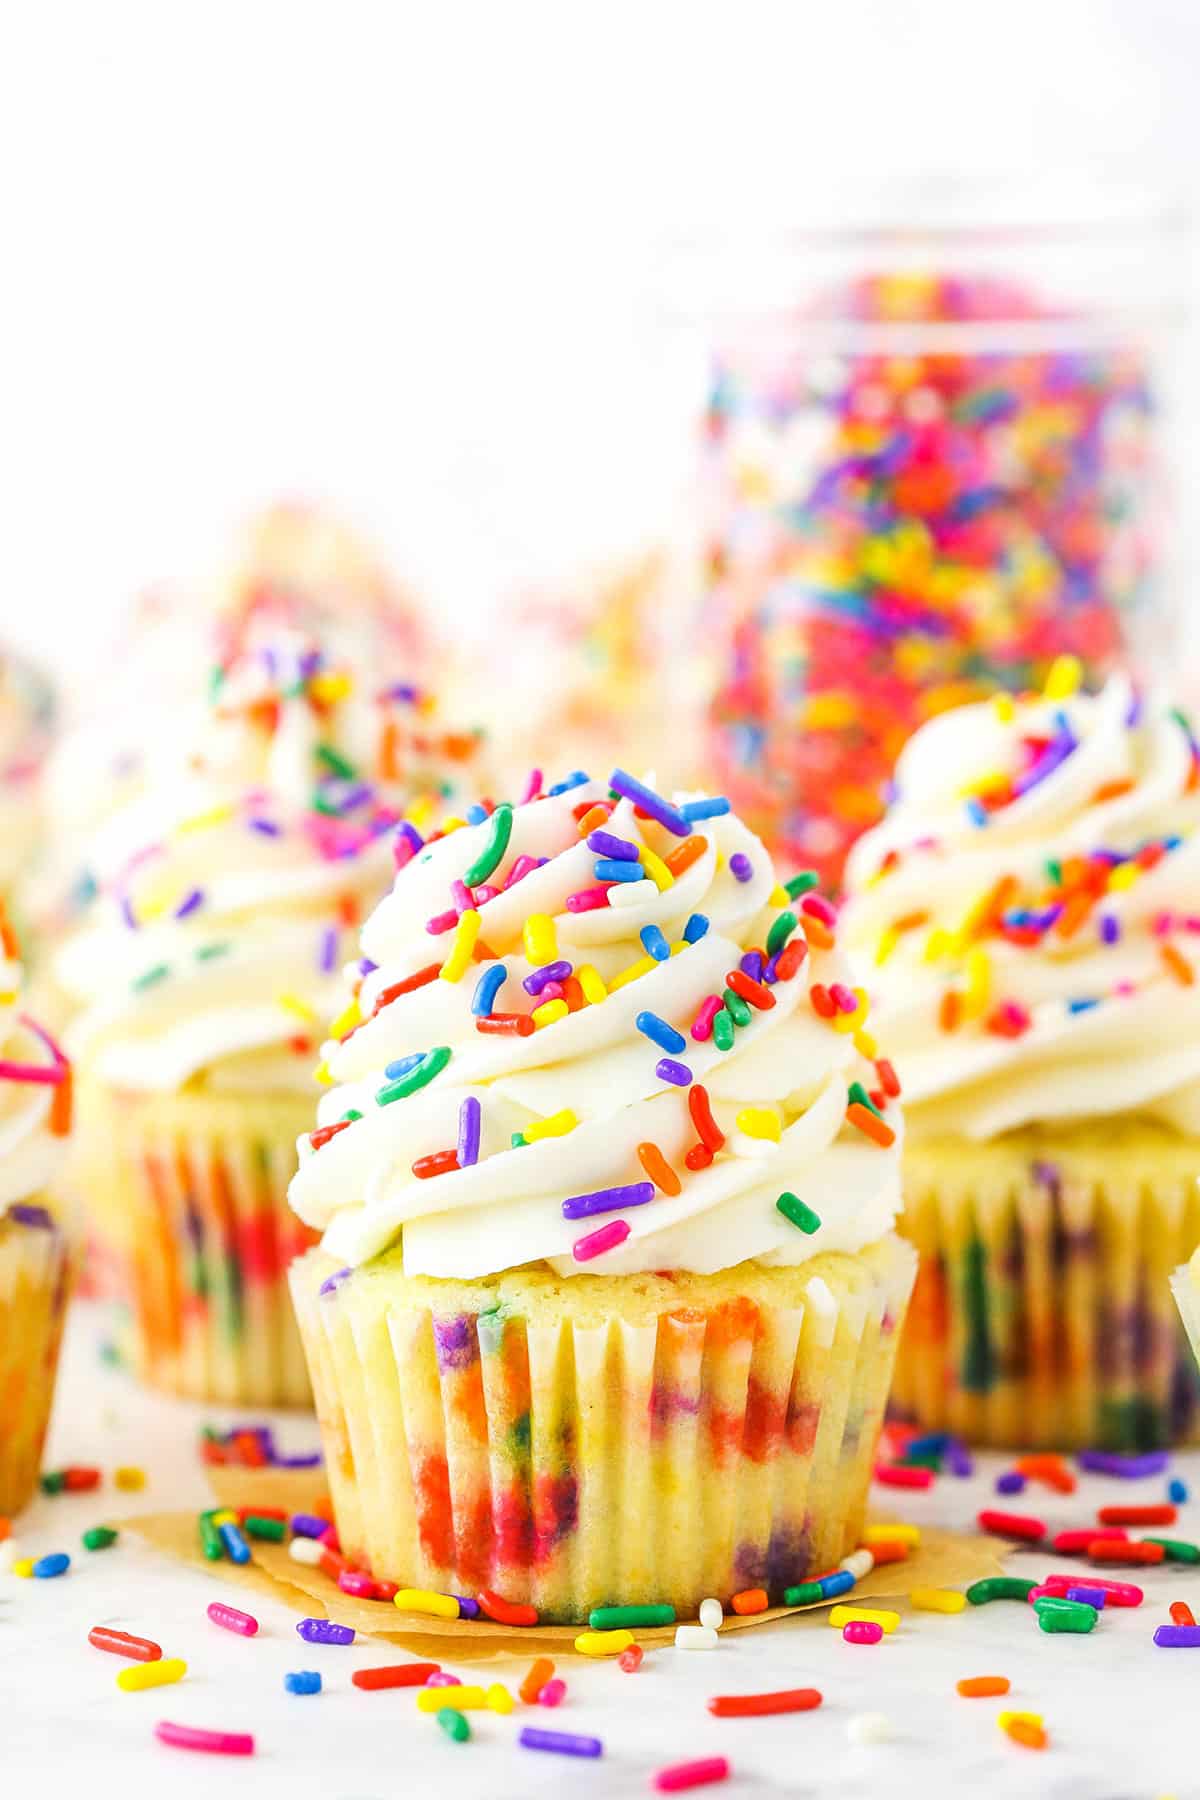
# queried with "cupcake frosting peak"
point(591, 1029)
point(35, 1094)
point(1028, 914)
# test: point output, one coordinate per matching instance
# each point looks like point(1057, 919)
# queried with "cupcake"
point(1027, 921)
point(606, 1301)
point(204, 977)
point(35, 1117)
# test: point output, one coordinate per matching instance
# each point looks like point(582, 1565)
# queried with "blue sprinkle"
point(934, 1443)
point(564, 787)
point(1010, 1483)
point(977, 812)
point(840, 1582)
point(403, 1064)
point(486, 989)
point(740, 866)
point(654, 943)
point(695, 810)
point(477, 814)
point(677, 1073)
point(1177, 1492)
point(660, 1033)
point(695, 928)
point(608, 869)
point(1081, 1006)
point(302, 1681)
point(236, 1547)
point(56, 1564)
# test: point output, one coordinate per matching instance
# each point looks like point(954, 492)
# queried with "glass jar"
point(937, 467)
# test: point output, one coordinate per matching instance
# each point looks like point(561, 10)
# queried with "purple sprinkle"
point(23, 1213)
point(189, 903)
point(1088, 1596)
point(355, 797)
point(740, 866)
point(677, 1073)
point(585, 1206)
point(265, 827)
point(324, 1631)
point(770, 972)
point(327, 953)
point(403, 690)
point(1010, 1483)
point(1173, 1637)
point(1129, 1468)
point(959, 1460)
point(566, 1743)
point(470, 1115)
point(605, 844)
point(127, 913)
point(752, 964)
point(332, 1282)
point(555, 971)
point(1110, 929)
point(467, 1608)
point(652, 804)
point(308, 1525)
point(312, 1459)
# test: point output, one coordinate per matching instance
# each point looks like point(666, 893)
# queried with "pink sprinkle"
point(1163, 924)
point(441, 922)
point(533, 787)
point(463, 898)
point(442, 1678)
point(844, 1000)
point(485, 893)
point(523, 866)
point(702, 1024)
point(899, 1475)
point(195, 1737)
point(587, 899)
point(553, 990)
point(597, 1242)
point(1124, 988)
point(553, 1692)
point(1192, 922)
point(358, 1583)
point(862, 1631)
point(702, 1773)
point(819, 907)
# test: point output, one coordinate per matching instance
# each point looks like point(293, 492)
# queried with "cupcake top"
point(35, 1097)
point(1028, 914)
point(594, 1031)
point(227, 896)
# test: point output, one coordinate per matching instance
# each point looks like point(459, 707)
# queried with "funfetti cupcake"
point(207, 974)
point(607, 1299)
point(1028, 919)
point(35, 1117)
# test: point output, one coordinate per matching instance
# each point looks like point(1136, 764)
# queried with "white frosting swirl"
point(230, 893)
point(34, 1115)
point(1078, 995)
point(595, 1065)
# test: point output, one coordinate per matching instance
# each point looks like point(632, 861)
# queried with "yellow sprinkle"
point(346, 1020)
point(129, 1479)
point(1008, 1717)
point(433, 1699)
point(300, 1008)
point(888, 939)
point(499, 1699)
point(321, 1074)
point(8, 999)
point(594, 990)
point(939, 943)
point(421, 1600)
point(331, 685)
point(152, 1674)
point(868, 1615)
point(421, 810)
point(779, 896)
point(656, 869)
point(977, 968)
point(866, 1045)
point(216, 815)
point(635, 970)
point(680, 944)
point(453, 823)
point(557, 1125)
point(760, 1122)
point(993, 782)
point(549, 1013)
point(23, 1566)
point(603, 1643)
point(1123, 878)
point(943, 1600)
point(466, 933)
point(851, 1022)
point(540, 939)
point(1004, 708)
point(891, 1534)
point(226, 1516)
point(1066, 673)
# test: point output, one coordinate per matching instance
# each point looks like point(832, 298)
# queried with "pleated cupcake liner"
point(1185, 1285)
point(1042, 1313)
point(186, 1198)
point(574, 1444)
point(35, 1278)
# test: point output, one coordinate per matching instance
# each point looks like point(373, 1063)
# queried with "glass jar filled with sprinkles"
point(934, 462)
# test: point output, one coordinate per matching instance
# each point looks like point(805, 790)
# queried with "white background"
point(408, 259)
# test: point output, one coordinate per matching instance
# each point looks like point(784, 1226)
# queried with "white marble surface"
point(1119, 1711)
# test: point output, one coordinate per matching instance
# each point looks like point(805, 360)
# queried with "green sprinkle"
point(1176, 1549)
point(431, 1065)
point(99, 1537)
point(629, 1618)
point(780, 932)
point(53, 1481)
point(497, 843)
point(924, 1459)
point(801, 1216)
point(722, 1030)
point(803, 883)
point(210, 1538)
point(804, 1595)
point(216, 681)
point(1000, 1587)
point(737, 1008)
point(349, 1118)
point(335, 762)
point(149, 977)
point(519, 1140)
point(858, 1095)
point(207, 951)
point(1065, 1615)
point(273, 1530)
point(1054, 871)
point(453, 1723)
point(322, 804)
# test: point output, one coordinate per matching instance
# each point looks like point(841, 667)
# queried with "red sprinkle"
point(788, 962)
point(700, 1107)
point(889, 1081)
point(324, 1132)
point(121, 1644)
point(1181, 1613)
point(1137, 1515)
point(506, 1025)
point(78, 1480)
point(897, 1475)
point(439, 1162)
point(1120, 1550)
point(505, 1612)
point(1075, 1543)
point(1013, 1525)
point(754, 993)
point(394, 1675)
point(421, 979)
point(631, 1660)
point(757, 1706)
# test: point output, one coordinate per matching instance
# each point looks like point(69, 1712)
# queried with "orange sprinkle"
point(540, 1672)
point(659, 1169)
point(978, 1687)
point(8, 937)
point(1112, 790)
point(592, 820)
point(573, 994)
point(5, 1528)
point(871, 1125)
point(910, 921)
point(950, 1010)
point(888, 1550)
point(685, 854)
point(996, 904)
point(1022, 1732)
point(1074, 914)
point(389, 752)
point(347, 909)
point(750, 1600)
point(60, 1107)
point(817, 932)
point(1181, 1613)
point(1048, 1468)
point(1178, 964)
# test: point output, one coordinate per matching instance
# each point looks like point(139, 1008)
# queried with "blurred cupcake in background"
point(206, 973)
point(35, 1263)
point(27, 719)
point(1028, 918)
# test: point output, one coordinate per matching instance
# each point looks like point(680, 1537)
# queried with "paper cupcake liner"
point(1185, 1285)
point(187, 1200)
point(1042, 1312)
point(35, 1269)
point(602, 1440)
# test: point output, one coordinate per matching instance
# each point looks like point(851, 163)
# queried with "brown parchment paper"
point(942, 1559)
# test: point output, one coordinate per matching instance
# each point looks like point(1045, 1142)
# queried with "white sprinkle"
point(695, 1637)
point(632, 893)
point(712, 1614)
point(858, 1563)
point(869, 1728)
point(306, 1550)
